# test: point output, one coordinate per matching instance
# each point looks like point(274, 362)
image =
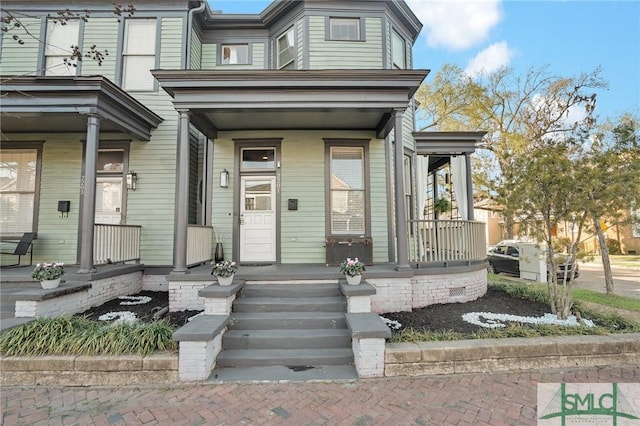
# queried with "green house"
point(286, 137)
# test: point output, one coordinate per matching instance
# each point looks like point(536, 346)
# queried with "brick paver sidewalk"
point(461, 399)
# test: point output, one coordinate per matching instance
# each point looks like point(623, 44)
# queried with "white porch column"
point(181, 216)
point(401, 216)
point(88, 195)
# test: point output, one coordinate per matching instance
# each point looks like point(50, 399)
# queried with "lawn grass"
point(581, 295)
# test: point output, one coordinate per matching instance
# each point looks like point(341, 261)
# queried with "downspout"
point(192, 12)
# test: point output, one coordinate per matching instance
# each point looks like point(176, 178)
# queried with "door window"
point(257, 195)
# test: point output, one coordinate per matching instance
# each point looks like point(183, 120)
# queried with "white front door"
point(258, 219)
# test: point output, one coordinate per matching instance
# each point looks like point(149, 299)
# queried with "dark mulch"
point(431, 318)
point(144, 312)
point(449, 316)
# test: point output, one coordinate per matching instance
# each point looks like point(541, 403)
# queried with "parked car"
point(505, 257)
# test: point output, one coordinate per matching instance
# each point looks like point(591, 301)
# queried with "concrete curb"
point(509, 354)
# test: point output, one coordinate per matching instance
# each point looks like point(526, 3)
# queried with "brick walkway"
point(462, 399)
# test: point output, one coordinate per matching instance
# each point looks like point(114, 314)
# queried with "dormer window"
point(235, 54)
point(286, 49)
point(344, 29)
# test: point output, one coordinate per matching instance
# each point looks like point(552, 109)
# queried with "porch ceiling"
point(61, 104)
point(301, 99)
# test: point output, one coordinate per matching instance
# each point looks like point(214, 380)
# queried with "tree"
point(513, 109)
point(611, 177)
point(11, 26)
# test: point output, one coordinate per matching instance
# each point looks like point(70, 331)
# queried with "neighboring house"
point(286, 135)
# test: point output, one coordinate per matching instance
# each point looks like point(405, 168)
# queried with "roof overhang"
point(61, 104)
point(441, 146)
point(291, 99)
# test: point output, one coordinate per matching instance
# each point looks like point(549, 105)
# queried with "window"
point(286, 50)
point(57, 48)
point(235, 54)
point(19, 180)
point(344, 28)
point(347, 190)
point(258, 159)
point(109, 186)
point(398, 51)
point(139, 54)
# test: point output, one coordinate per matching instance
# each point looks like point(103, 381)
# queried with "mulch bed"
point(432, 318)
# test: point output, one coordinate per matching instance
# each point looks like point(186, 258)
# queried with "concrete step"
point(283, 373)
point(290, 290)
point(286, 339)
point(290, 304)
point(284, 357)
point(286, 320)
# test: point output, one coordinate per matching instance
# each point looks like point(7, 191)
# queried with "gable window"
point(398, 51)
point(235, 54)
point(347, 190)
point(59, 40)
point(286, 50)
point(344, 29)
point(19, 178)
point(139, 54)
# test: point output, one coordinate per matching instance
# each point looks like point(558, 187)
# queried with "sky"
point(570, 37)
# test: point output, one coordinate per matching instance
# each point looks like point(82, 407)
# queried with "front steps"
point(292, 332)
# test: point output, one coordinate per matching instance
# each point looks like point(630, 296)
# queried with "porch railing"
point(199, 243)
point(116, 243)
point(447, 240)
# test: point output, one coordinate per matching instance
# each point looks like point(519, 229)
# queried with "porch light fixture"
point(224, 179)
point(132, 178)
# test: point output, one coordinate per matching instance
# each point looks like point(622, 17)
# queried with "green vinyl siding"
point(171, 48)
point(222, 205)
point(407, 128)
point(209, 54)
point(300, 36)
point(196, 51)
point(103, 33)
point(378, 192)
point(60, 180)
point(328, 54)
point(18, 59)
point(151, 205)
point(303, 230)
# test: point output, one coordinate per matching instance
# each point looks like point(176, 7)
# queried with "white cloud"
point(490, 59)
point(457, 24)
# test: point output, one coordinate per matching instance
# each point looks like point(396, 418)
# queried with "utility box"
point(533, 261)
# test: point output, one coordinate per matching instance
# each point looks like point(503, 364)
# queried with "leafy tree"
point(513, 109)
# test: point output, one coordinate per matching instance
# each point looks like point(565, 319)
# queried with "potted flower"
point(48, 274)
point(352, 270)
point(225, 271)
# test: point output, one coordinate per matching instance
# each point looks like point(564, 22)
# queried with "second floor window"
point(20, 180)
point(398, 52)
point(286, 50)
point(139, 54)
point(344, 28)
point(57, 49)
point(235, 54)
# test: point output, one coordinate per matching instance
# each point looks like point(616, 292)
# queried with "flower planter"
point(353, 280)
point(49, 284)
point(225, 280)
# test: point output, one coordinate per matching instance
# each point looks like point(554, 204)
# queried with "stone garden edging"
point(401, 359)
point(509, 354)
point(68, 370)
